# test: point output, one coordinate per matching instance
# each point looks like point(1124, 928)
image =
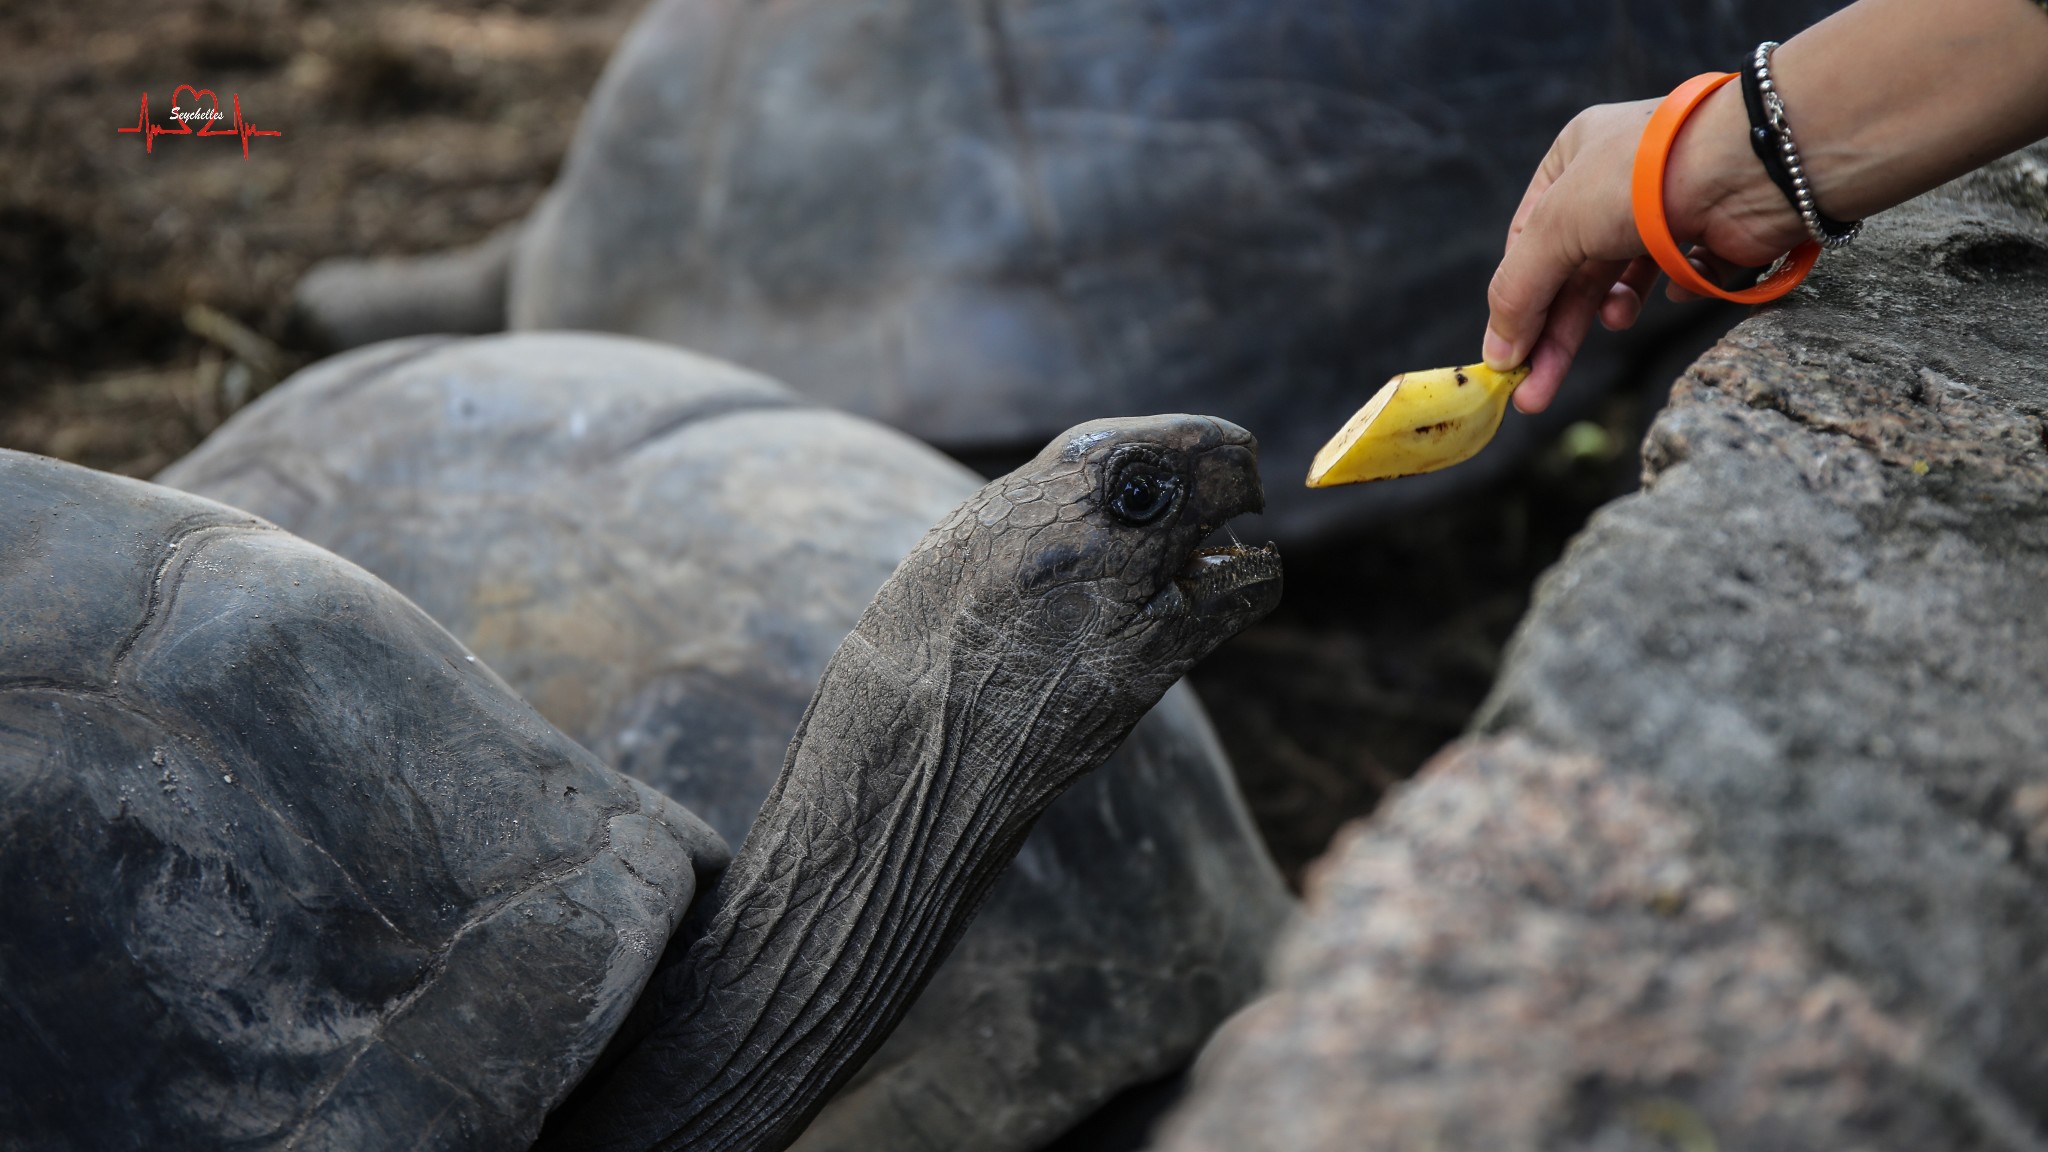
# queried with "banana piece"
point(1418, 422)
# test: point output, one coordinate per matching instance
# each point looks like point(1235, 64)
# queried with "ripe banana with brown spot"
point(1418, 422)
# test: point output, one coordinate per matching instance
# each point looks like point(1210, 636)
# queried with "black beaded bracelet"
point(1771, 138)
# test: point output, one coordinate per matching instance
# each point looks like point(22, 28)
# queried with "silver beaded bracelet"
point(1791, 176)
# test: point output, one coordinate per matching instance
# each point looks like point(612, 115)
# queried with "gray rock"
point(1752, 848)
point(981, 222)
point(1530, 951)
point(660, 552)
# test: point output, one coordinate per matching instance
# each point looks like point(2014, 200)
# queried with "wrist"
point(1716, 190)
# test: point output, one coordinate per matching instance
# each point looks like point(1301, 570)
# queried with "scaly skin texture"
point(1009, 653)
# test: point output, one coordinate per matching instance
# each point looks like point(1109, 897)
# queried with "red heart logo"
point(184, 127)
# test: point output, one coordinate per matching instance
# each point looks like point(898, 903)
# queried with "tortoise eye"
point(1142, 495)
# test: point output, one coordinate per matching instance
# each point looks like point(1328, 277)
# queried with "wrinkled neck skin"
point(931, 747)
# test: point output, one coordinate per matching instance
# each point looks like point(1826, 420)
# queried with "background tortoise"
point(284, 866)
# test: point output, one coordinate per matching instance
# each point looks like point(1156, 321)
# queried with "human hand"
point(1573, 252)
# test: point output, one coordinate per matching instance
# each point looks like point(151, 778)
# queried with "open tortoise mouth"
point(1235, 581)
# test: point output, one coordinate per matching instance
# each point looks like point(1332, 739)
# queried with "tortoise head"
point(1087, 563)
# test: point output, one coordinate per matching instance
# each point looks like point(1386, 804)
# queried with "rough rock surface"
point(1751, 849)
point(273, 848)
point(983, 221)
point(661, 551)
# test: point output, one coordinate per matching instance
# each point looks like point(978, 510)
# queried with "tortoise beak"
point(1227, 484)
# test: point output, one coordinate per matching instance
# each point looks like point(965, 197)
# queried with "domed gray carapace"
point(981, 221)
point(661, 552)
point(282, 865)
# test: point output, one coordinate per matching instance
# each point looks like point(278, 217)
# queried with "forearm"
point(1887, 99)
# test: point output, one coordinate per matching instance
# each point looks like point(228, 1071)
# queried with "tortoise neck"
point(912, 781)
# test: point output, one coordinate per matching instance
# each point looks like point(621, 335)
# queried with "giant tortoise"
point(660, 553)
point(984, 220)
point(283, 865)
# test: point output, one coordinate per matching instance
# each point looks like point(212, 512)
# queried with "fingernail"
point(1500, 355)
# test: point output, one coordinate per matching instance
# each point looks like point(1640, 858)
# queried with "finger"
point(1553, 166)
point(1699, 258)
point(1519, 298)
point(1714, 268)
point(1621, 308)
point(1624, 301)
point(1570, 318)
point(1640, 275)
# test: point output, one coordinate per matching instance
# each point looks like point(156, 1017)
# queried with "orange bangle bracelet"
point(1653, 155)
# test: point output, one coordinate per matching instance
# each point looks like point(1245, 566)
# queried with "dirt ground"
point(406, 127)
point(145, 293)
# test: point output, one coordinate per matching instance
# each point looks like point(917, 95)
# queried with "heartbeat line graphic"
point(149, 131)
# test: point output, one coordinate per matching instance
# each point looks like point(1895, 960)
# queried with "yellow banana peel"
point(1418, 422)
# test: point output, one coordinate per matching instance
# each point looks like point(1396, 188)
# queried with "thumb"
point(1524, 288)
